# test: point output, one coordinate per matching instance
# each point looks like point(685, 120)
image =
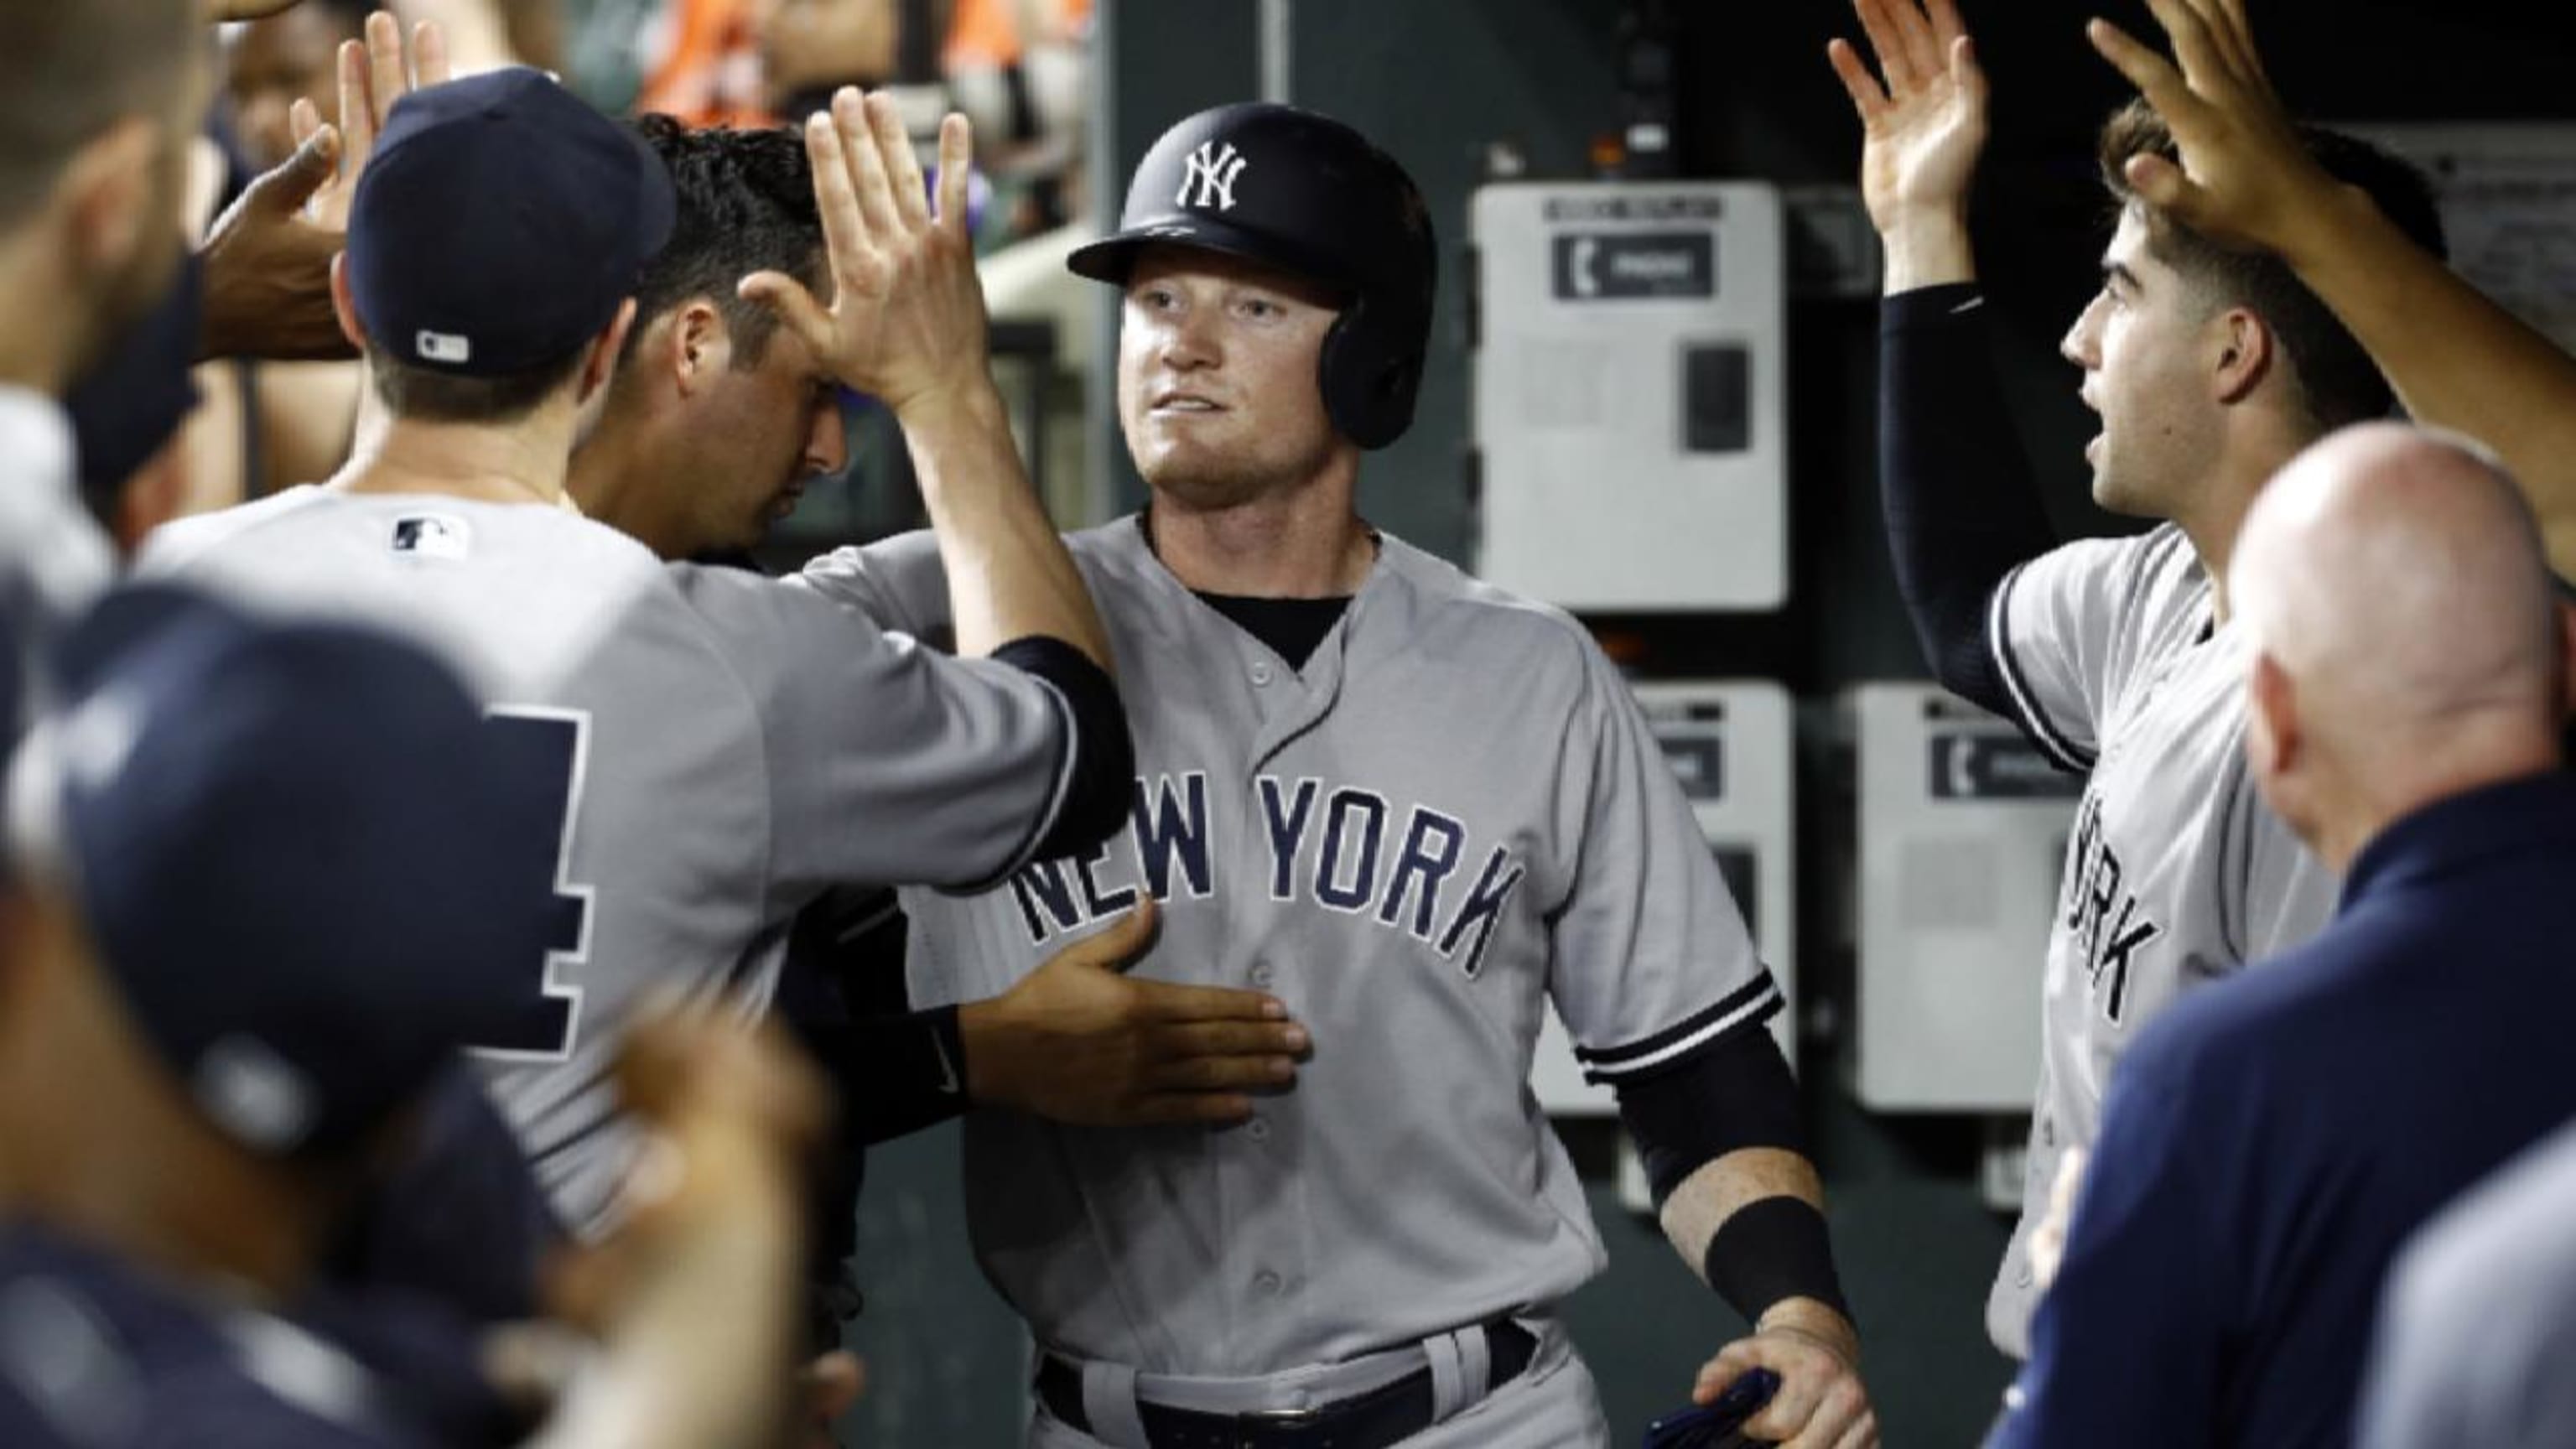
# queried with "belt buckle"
point(1256, 1428)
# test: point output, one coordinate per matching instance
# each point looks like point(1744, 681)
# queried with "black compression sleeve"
point(1962, 506)
point(1103, 781)
point(897, 1074)
point(1770, 1249)
point(1734, 1093)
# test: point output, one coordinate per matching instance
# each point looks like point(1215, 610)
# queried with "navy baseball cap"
point(309, 869)
point(131, 403)
point(499, 224)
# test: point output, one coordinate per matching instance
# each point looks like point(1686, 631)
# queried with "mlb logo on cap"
point(445, 347)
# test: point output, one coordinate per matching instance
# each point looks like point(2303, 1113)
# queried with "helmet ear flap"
point(1368, 382)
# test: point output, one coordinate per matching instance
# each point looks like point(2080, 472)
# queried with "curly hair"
point(745, 204)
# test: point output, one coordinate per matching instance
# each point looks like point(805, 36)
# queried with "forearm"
point(1009, 576)
point(2455, 357)
point(1961, 506)
point(1709, 1198)
point(702, 1356)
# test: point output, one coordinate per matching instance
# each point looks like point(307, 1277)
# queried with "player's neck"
point(524, 461)
point(2453, 756)
point(2262, 448)
point(613, 480)
point(1303, 543)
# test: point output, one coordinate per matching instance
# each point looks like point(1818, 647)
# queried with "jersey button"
point(1257, 1129)
point(1260, 672)
point(1262, 975)
point(1268, 1282)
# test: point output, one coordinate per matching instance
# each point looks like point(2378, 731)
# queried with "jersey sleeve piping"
point(2062, 752)
point(1751, 1004)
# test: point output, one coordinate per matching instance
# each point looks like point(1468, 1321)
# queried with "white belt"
point(1460, 1366)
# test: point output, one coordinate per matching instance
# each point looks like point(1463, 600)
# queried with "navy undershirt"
point(1291, 627)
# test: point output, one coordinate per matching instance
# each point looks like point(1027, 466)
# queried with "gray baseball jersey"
point(53, 559)
point(2176, 873)
point(2477, 1322)
point(1452, 815)
point(729, 747)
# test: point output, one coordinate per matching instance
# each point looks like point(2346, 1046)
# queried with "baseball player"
point(714, 420)
point(1416, 809)
point(2210, 368)
point(216, 821)
point(723, 748)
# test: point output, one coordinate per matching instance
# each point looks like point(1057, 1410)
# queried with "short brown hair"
point(2336, 382)
point(431, 396)
point(68, 71)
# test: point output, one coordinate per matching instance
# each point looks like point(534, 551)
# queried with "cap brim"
point(1110, 258)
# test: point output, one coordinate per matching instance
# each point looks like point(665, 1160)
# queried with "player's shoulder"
point(428, 527)
point(88, 1340)
point(181, 542)
point(1451, 614)
point(95, 1349)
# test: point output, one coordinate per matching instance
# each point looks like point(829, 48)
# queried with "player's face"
point(2139, 342)
point(765, 431)
point(1217, 386)
point(273, 64)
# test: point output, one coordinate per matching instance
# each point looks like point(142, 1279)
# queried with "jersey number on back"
point(553, 746)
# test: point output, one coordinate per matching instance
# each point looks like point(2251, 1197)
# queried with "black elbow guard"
point(1101, 779)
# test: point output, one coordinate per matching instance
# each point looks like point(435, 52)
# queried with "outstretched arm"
point(906, 325)
point(2455, 357)
point(1961, 507)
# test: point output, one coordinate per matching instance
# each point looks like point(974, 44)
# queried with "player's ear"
point(2244, 349)
point(601, 361)
point(2272, 735)
point(344, 307)
point(700, 344)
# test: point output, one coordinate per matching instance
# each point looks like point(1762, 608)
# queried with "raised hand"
point(268, 267)
point(2246, 179)
point(906, 319)
point(1922, 129)
point(373, 74)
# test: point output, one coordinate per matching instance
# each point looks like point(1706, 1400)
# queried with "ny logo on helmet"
point(1213, 172)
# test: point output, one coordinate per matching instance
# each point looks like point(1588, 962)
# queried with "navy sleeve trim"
point(1751, 1004)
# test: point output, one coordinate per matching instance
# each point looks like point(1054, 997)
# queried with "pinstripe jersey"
point(730, 747)
point(2177, 872)
point(1452, 815)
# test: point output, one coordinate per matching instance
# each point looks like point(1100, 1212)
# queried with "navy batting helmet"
point(1309, 195)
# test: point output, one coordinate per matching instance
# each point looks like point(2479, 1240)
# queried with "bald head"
point(2395, 580)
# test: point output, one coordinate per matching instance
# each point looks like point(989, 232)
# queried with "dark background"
point(1438, 82)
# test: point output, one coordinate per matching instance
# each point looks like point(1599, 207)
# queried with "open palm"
point(1922, 129)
